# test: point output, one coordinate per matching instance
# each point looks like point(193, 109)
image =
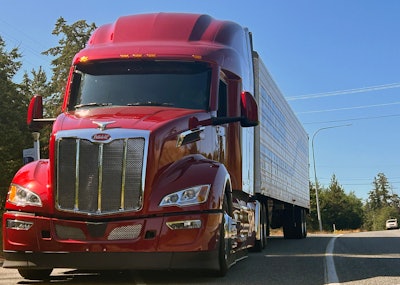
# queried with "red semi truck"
point(174, 149)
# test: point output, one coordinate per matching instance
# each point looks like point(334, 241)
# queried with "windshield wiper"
point(150, 103)
point(92, 104)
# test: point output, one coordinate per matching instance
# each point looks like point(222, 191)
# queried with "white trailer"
point(281, 163)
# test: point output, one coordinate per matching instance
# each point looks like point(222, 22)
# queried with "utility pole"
point(315, 171)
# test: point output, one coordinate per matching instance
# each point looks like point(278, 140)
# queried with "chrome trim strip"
point(76, 203)
point(87, 134)
point(18, 213)
point(123, 178)
point(57, 174)
point(100, 185)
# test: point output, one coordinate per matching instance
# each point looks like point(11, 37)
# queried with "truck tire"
point(222, 253)
point(294, 223)
point(35, 274)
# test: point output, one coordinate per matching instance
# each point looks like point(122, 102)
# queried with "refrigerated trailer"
point(174, 150)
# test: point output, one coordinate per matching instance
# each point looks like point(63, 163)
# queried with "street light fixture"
point(315, 171)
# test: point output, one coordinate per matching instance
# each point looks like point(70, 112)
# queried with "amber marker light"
point(83, 59)
point(196, 56)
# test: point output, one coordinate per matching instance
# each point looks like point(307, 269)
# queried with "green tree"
point(375, 220)
point(379, 196)
point(15, 97)
point(340, 209)
point(37, 84)
point(73, 38)
point(13, 130)
point(355, 212)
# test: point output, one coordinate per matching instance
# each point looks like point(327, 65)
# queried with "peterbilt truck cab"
point(148, 165)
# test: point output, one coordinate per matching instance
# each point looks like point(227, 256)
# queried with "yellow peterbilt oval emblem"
point(101, 137)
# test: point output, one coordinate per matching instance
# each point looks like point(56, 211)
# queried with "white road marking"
point(331, 277)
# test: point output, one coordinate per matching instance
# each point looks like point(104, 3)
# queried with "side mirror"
point(35, 111)
point(34, 118)
point(249, 110)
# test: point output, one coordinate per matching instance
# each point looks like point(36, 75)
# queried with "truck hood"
point(137, 117)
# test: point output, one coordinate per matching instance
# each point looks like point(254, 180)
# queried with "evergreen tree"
point(339, 209)
point(382, 204)
point(379, 196)
point(73, 38)
point(38, 85)
point(15, 97)
point(13, 130)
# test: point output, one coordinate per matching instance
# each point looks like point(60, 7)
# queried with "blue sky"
point(336, 61)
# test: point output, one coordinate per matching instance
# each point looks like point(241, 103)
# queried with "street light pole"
point(315, 171)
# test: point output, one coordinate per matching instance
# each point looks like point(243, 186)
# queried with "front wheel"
point(223, 251)
point(224, 248)
point(35, 274)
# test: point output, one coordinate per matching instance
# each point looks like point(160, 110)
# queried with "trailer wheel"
point(294, 223)
point(35, 274)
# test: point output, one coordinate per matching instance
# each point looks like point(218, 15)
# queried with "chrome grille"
point(99, 177)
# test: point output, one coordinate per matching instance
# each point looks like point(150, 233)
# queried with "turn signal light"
point(182, 225)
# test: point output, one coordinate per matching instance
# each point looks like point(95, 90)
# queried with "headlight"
point(190, 196)
point(21, 196)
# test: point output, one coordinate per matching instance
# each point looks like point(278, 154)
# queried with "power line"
point(344, 92)
point(24, 34)
point(349, 108)
point(23, 46)
point(365, 184)
point(353, 119)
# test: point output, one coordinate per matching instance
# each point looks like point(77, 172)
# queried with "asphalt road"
point(361, 258)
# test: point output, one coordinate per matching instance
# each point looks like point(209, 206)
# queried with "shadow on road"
point(282, 262)
point(301, 262)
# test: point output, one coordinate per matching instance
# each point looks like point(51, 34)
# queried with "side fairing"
point(191, 170)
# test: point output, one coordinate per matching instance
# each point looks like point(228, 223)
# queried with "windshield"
point(141, 83)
